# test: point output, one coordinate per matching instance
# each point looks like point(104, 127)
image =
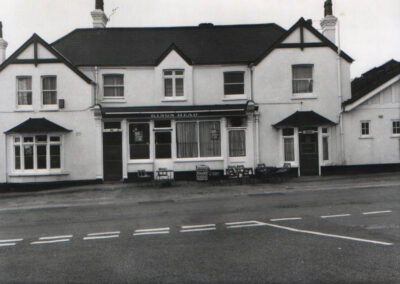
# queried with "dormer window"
point(113, 85)
point(302, 78)
point(173, 83)
point(234, 83)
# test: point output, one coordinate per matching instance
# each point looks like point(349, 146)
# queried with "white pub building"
point(108, 103)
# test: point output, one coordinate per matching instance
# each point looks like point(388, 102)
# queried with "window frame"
point(325, 135)
point(230, 84)
point(303, 79)
point(367, 122)
point(396, 133)
point(239, 129)
point(174, 77)
point(24, 106)
point(43, 90)
point(287, 137)
point(138, 160)
point(113, 86)
point(35, 170)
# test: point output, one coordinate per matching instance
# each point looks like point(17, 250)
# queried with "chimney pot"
point(328, 23)
point(99, 17)
point(1, 30)
point(100, 5)
point(328, 8)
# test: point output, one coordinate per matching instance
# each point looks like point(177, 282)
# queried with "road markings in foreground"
point(10, 240)
point(243, 224)
point(50, 241)
point(335, 216)
point(377, 212)
point(102, 235)
point(154, 231)
point(198, 228)
point(286, 219)
point(328, 235)
point(55, 237)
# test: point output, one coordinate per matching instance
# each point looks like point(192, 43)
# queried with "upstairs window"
point(364, 128)
point(234, 83)
point(302, 78)
point(396, 127)
point(49, 90)
point(173, 83)
point(24, 91)
point(113, 85)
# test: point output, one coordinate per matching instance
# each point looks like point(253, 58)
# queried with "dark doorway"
point(112, 156)
point(308, 148)
point(163, 145)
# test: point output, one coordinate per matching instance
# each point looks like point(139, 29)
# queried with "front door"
point(162, 140)
point(112, 156)
point(308, 148)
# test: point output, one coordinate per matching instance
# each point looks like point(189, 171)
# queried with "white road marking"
point(198, 230)
point(100, 237)
point(334, 216)
point(377, 212)
point(10, 240)
point(104, 233)
point(244, 224)
point(286, 219)
point(328, 235)
point(151, 233)
point(152, 230)
point(49, 242)
point(7, 244)
point(198, 226)
point(55, 237)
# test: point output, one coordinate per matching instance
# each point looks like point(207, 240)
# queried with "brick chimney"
point(3, 45)
point(99, 17)
point(328, 23)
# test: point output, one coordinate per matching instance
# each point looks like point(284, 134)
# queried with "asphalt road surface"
point(334, 236)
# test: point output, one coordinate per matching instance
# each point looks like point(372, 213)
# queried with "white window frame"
point(48, 106)
point(173, 77)
point(24, 107)
point(241, 128)
point(199, 157)
point(303, 79)
point(362, 135)
point(394, 134)
point(151, 131)
point(240, 83)
point(284, 137)
point(48, 143)
point(114, 86)
point(325, 135)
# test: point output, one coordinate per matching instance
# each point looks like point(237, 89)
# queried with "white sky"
point(369, 29)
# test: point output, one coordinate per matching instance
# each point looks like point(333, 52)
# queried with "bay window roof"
point(36, 125)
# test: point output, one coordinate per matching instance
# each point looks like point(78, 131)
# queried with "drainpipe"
point(339, 84)
point(96, 89)
point(5, 156)
point(251, 68)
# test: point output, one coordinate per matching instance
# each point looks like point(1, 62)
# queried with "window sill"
point(203, 159)
point(50, 108)
point(113, 100)
point(234, 97)
point(24, 109)
point(395, 136)
point(365, 137)
point(38, 174)
point(140, 161)
point(304, 96)
point(174, 99)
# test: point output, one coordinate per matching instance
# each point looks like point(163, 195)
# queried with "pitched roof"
point(304, 118)
point(35, 39)
point(204, 44)
point(37, 125)
point(372, 79)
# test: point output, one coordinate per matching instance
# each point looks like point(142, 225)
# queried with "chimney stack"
point(99, 17)
point(328, 23)
point(3, 45)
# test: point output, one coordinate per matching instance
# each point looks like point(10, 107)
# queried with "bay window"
point(37, 152)
point(198, 139)
point(24, 91)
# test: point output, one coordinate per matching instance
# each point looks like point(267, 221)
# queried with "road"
point(327, 236)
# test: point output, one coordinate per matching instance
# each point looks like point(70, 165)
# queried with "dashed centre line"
point(153, 231)
point(100, 237)
point(11, 240)
point(7, 244)
point(286, 219)
point(104, 233)
point(243, 224)
point(198, 228)
point(50, 241)
point(377, 212)
point(335, 216)
point(55, 237)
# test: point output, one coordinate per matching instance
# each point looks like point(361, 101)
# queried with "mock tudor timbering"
point(108, 104)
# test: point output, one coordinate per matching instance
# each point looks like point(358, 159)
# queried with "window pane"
point(139, 140)
point(186, 139)
point(364, 128)
point(236, 89)
point(28, 156)
point(168, 87)
point(233, 77)
point(302, 72)
point(49, 97)
point(41, 138)
point(162, 123)
point(325, 148)
point(302, 86)
point(178, 72)
point(25, 98)
point(17, 151)
point(54, 138)
point(289, 149)
point(210, 142)
point(113, 80)
point(113, 85)
point(179, 87)
point(55, 160)
point(396, 127)
point(163, 145)
point(41, 156)
point(24, 84)
point(167, 73)
point(49, 83)
point(237, 143)
point(28, 139)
